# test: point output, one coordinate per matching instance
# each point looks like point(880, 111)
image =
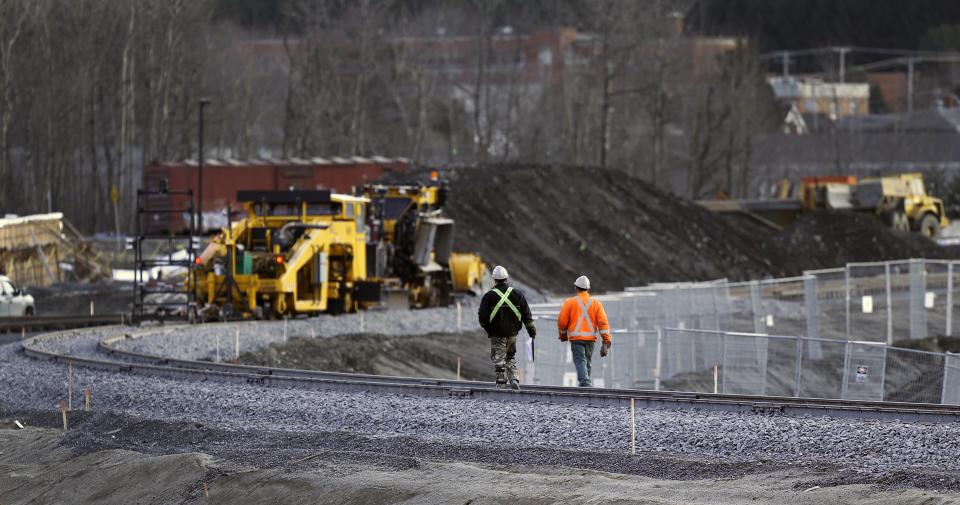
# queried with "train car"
point(222, 179)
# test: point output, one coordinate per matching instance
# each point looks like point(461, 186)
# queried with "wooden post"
point(716, 379)
point(63, 413)
point(633, 426)
point(23, 332)
point(86, 400)
point(459, 317)
point(91, 307)
point(70, 385)
point(458, 367)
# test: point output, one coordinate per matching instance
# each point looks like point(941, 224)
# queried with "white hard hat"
point(500, 273)
point(582, 282)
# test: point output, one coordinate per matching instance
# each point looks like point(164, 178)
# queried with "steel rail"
point(159, 366)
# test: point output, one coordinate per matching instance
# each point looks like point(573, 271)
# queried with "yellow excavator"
point(307, 252)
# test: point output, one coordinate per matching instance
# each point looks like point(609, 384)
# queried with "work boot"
point(501, 385)
point(515, 385)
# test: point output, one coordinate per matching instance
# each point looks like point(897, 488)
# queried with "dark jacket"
point(505, 322)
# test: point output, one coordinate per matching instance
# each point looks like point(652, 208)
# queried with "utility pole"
point(843, 62)
point(203, 103)
point(910, 63)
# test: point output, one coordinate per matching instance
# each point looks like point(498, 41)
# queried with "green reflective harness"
point(504, 298)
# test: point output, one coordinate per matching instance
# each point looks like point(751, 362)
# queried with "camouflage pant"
point(503, 354)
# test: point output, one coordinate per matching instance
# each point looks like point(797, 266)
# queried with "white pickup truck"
point(14, 302)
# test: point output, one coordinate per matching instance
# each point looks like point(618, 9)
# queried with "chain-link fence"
point(827, 333)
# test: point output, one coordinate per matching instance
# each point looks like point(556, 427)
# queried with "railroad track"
point(41, 323)
point(160, 366)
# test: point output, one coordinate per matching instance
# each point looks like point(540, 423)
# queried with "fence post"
point(886, 269)
point(918, 315)
point(656, 371)
point(846, 368)
point(723, 362)
point(846, 300)
point(813, 315)
point(946, 377)
point(756, 303)
point(949, 298)
point(796, 385)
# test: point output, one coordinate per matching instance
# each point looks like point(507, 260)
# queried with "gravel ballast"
point(862, 446)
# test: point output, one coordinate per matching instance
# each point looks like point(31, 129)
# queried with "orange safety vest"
point(582, 318)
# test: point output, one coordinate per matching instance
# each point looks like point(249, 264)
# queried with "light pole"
point(203, 103)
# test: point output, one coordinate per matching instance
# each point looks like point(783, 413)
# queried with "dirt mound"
point(827, 239)
point(550, 224)
point(433, 355)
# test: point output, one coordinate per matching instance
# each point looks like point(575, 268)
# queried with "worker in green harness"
point(503, 310)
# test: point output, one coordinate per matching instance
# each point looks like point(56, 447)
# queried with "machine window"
point(284, 209)
point(323, 209)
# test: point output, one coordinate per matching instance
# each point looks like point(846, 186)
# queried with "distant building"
point(816, 96)
point(892, 89)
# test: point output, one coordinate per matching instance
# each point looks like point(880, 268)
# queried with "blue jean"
point(582, 353)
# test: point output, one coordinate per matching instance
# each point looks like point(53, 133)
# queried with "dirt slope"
point(550, 224)
point(828, 239)
point(433, 355)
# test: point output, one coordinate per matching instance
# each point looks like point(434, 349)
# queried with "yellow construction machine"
point(901, 201)
point(413, 245)
point(306, 252)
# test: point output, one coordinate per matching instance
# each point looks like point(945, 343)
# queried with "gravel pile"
point(869, 446)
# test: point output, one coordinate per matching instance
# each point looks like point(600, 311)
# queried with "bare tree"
point(13, 16)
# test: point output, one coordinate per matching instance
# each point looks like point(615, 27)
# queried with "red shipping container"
point(223, 178)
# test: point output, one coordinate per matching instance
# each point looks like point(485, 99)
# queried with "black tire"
point(28, 312)
point(929, 226)
point(898, 221)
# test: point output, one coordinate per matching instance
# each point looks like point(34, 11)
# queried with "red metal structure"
point(223, 178)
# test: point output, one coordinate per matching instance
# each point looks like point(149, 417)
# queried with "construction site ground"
point(433, 355)
point(117, 460)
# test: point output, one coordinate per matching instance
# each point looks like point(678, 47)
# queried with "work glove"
point(563, 338)
point(532, 331)
point(604, 349)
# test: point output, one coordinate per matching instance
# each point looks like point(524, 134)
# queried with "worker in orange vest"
point(581, 319)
